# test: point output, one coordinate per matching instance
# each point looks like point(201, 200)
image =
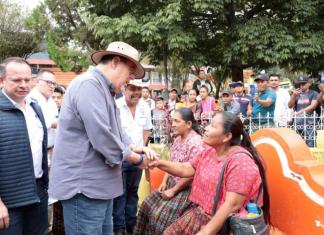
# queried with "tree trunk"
point(237, 73)
point(165, 63)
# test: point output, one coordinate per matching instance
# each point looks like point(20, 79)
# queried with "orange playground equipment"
point(295, 180)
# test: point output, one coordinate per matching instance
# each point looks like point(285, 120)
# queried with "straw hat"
point(124, 50)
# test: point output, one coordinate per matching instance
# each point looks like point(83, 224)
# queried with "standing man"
point(304, 102)
point(146, 97)
point(58, 96)
point(42, 93)
point(23, 155)
point(229, 104)
point(136, 120)
point(202, 81)
point(243, 99)
point(91, 145)
point(173, 95)
point(263, 103)
point(282, 113)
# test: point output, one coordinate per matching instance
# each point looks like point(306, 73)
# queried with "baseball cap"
point(263, 77)
point(227, 92)
point(302, 79)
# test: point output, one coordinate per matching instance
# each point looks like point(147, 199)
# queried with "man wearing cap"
point(135, 115)
point(243, 99)
point(202, 81)
point(304, 102)
point(173, 95)
point(90, 146)
point(282, 113)
point(232, 87)
point(263, 103)
point(229, 104)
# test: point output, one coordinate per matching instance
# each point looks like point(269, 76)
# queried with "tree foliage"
point(15, 38)
point(227, 34)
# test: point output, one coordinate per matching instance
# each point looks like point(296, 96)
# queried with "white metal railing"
point(306, 125)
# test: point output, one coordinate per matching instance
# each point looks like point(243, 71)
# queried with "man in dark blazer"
point(23, 154)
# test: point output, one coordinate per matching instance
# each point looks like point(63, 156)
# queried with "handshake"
point(145, 158)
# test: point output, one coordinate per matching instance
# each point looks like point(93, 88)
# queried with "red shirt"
point(241, 176)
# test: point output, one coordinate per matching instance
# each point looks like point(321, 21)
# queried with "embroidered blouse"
point(187, 150)
point(241, 176)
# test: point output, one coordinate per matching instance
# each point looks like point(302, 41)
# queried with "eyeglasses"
point(49, 83)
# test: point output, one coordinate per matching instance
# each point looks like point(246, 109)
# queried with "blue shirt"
point(303, 100)
point(258, 109)
point(90, 144)
point(244, 101)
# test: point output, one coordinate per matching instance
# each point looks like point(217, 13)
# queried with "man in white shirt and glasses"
point(42, 93)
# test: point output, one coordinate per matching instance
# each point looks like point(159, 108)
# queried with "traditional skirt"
point(189, 223)
point(156, 213)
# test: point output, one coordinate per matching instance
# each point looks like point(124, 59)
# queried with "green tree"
point(220, 33)
point(15, 37)
point(228, 34)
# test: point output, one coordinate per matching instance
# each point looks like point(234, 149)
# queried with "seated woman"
point(242, 179)
point(163, 207)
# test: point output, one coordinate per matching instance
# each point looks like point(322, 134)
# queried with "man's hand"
point(4, 216)
point(54, 124)
point(296, 92)
point(321, 87)
point(256, 97)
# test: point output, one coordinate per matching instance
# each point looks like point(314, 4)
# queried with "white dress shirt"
point(134, 127)
point(35, 133)
point(282, 113)
point(50, 112)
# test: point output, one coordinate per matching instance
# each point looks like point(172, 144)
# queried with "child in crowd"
point(207, 103)
point(181, 101)
point(159, 115)
point(193, 104)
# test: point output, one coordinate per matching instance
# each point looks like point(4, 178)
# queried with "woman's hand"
point(168, 194)
point(150, 154)
point(162, 187)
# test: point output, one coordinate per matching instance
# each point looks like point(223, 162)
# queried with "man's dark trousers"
point(125, 206)
point(31, 219)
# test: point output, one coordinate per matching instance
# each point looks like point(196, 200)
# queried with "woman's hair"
point(193, 90)
point(233, 124)
point(203, 87)
point(187, 116)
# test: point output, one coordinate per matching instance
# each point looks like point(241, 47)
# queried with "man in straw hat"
point(91, 145)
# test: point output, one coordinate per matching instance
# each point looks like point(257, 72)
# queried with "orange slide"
point(295, 181)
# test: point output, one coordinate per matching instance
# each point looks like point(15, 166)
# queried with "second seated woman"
point(164, 206)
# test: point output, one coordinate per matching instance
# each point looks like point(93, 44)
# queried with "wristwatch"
point(140, 161)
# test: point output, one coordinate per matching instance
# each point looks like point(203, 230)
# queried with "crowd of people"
point(268, 106)
point(83, 148)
